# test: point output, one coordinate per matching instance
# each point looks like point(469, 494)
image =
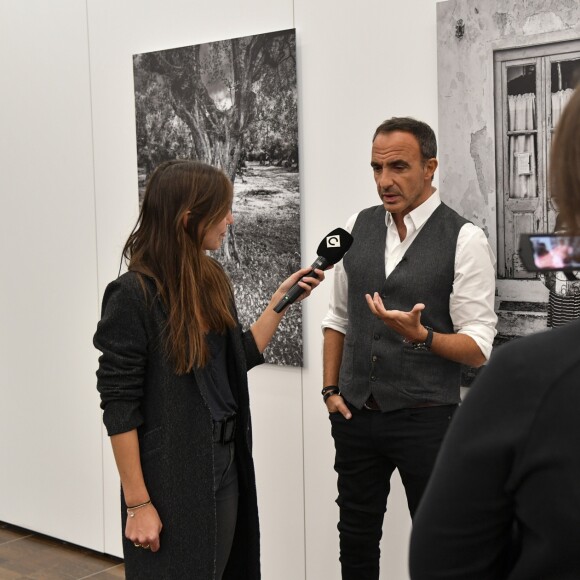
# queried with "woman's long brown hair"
point(193, 286)
point(565, 165)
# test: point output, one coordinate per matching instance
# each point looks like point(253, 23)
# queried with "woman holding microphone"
point(173, 385)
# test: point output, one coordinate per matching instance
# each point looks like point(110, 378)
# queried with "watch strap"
point(429, 339)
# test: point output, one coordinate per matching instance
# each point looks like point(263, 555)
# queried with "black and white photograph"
point(506, 69)
point(233, 104)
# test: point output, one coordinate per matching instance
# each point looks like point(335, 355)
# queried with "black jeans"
point(369, 447)
point(226, 497)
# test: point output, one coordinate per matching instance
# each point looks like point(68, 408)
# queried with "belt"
point(371, 404)
point(224, 431)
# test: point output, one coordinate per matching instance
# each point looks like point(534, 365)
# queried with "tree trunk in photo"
point(217, 134)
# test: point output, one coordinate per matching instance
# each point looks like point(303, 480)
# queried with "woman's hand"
point(307, 283)
point(265, 327)
point(143, 523)
point(143, 528)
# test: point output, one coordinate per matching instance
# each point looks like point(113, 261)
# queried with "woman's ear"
point(185, 219)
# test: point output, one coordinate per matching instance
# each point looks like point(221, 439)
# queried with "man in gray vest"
point(413, 300)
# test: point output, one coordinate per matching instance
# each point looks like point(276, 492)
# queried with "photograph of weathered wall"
point(505, 71)
point(233, 104)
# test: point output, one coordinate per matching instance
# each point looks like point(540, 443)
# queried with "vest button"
point(377, 336)
point(373, 378)
point(375, 358)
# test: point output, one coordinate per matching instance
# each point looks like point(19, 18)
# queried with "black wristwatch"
point(426, 344)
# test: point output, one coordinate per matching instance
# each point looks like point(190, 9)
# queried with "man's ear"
point(430, 168)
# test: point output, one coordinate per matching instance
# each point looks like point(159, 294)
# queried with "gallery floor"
point(26, 555)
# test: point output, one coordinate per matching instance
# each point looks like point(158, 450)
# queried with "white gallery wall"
point(68, 195)
point(50, 436)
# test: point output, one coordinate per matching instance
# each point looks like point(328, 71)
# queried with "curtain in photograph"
point(559, 101)
point(522, 117)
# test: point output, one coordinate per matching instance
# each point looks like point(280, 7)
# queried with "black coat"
point(504, 498)
point(139, 389)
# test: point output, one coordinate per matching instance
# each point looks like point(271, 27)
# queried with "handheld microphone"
point(330, 251)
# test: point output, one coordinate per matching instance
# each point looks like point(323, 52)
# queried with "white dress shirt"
point(471, 304)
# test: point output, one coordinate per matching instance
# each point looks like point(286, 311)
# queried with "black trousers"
point(226, 497)
point(369, 447)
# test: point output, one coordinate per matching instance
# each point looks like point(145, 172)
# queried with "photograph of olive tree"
point(233, 104)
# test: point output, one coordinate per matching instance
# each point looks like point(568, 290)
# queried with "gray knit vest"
point(375, 359)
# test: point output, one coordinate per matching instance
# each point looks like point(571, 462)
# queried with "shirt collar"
point(420, 214)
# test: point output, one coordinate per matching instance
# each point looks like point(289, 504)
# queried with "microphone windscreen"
point(335, 245)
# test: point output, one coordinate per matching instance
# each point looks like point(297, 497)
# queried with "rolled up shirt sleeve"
point(471, 304)
point(122, 338)
point(337, 317)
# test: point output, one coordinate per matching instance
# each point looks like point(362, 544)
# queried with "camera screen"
point(555, 252)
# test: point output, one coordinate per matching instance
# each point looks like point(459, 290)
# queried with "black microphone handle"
point(291, 296)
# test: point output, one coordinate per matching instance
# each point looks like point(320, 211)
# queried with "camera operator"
point(504, 497)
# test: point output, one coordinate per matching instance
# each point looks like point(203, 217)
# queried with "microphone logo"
point(333, 241)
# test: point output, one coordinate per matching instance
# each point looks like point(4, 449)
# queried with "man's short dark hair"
point(421, 131)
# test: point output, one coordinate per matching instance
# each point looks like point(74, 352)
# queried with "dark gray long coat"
point(140, 390)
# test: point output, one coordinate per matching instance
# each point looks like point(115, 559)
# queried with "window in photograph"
point(532, 87)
